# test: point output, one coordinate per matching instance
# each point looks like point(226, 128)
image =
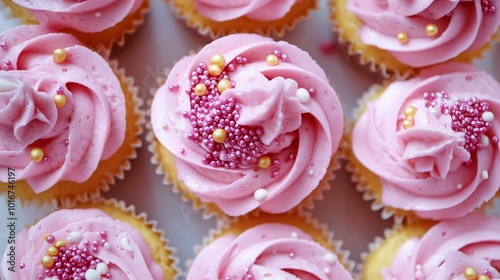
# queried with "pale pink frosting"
point(301, 136)
point(424, 168)
point(89, 128)
point(448, 248)
point(462, 26)
point(267, 251)
point(84, 15)
point(260, 10)
point(74, 227)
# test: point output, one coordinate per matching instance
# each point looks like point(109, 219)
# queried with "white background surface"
point(162, 40)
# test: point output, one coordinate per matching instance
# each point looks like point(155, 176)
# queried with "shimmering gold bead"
point(407, 124)
point(46, 236)
point(52, 251)
point(431, 29)
point(272, 60)
point(470, 273)
point(218, 60)
point(219, 135)
point(264, 162)
point(214, 70)
point(402, 37)
point(223, 85)
point(47, 261)
point(37, 154)
point(59, 55)
point(410, 111)
point(484, 277)
point(59, 100)
point(60, 244)
point(200, 89)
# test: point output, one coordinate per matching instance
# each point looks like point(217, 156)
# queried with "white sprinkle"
point(311, 172)
point(92, 274)
point(294, 235)
point(488, 116)
point(6, 85)
point(106, 246)
point(485, 174)
point(485, 141)
point(126, 246)
point(260, 194)
point(75, 237)
point(327, 270)
point(303, 95)
point(102, 268)
point(97, 14)
point(330, 258)
point(459, 186)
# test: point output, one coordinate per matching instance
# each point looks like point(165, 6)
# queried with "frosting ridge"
point(261, 10)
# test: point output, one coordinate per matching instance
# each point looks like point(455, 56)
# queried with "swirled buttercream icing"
point(260, 10)
point(465, 248)
point(62, 109)
point(82, 15)
point(423, 33)
point(433, 141)
point(267, 251)
point(80, 244)
point(251, 123)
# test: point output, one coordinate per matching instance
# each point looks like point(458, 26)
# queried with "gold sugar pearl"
point(264, 162)
point(272, 60)
point(431, 29)
point(214, 70)
point(46, 236)
point(37, 154)
point(484, 277)
point(223, 85)
point(470, 273)
point(402, 37)
point(59, 100)
point(60, 244)
point(410, 111)
point(407, 124)
point(200, 89)
point(52, 251)
point(218, 60)
point(219, 135)
point(59, 55)
point(47, 261)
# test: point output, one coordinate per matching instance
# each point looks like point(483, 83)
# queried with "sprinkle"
point(459, 186)
point(200, 89)
point(97, 14)
point(327, 270)
point(410, 111)
point(488, 116)
point(407, 124)
point(272, 60)
point(484, 277)
point(303, 95)
point(106, 246)
point(294, 235)
point(102, 268)
point(126, 245)
point(431, 29)
point(219, 135)
point(470, 273)
point(264, 162)
point(224, 85)
point(59, 55)
point(485, 174)
point(402, 37)
point(22, 265)
point(75, 237)
point(218, 60)
point(3, 45)
point(310, 172)
point(92, 274)
point(47, 261)
point(260, 194)
point(37, 154)
point(59, 100)
point(330, 258)
point(52, 251)
point(214, 70)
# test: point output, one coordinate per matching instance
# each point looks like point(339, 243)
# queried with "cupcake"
point(464, 248)
point(284, 246)
point(221, 17)
point(247, 123)
point(403, 36)
point(97, 240)
point(93, 22)
point(428, 147)
point(70, 118)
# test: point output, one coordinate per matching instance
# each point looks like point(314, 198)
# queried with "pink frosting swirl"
point(445, 165)
point(273, 250)
point(448, 249)
point(262, 116)
point(81, 15)
point(75, 137)
point(124, 251)
point(461, 26)
point(260, 10)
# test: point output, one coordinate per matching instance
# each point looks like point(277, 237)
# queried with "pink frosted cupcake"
point(247, 123)
point(428, 146)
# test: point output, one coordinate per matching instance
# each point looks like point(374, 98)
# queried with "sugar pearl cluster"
point(471, 274)
point(66, 261)
point(488, 7)
point(472, 117)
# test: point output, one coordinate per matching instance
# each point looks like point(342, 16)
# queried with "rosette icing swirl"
point(455, 249)
point(444, 164)
point(261, 10)
point(71, 112)
point(119, 246)
point(267, 251)
point(278, 137)
point(82, 15)
point(422, 33)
